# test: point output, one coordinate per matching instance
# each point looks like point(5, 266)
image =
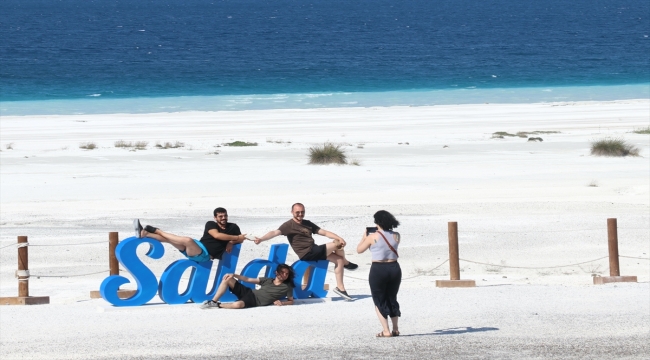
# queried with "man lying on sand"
point(218, 237)
point(299, 233)
point(270, 291)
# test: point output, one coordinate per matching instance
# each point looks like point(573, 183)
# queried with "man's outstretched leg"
point(182, 243)
point(339, 263)
point(335, 247)
point(227, 282)
point(346, 263)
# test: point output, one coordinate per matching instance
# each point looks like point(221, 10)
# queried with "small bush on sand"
point(88, 146)
point(138, 145)
point(241, 143)
point(521, 134)
point(535, 139)
point(328, 153)
point(537, 132)
point(169, 145)
point(645, 130)
point(613, 147)
point(9, 146)
point(501, 134)
point(123, 144)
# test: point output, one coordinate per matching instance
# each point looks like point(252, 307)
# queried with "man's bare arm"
point(331, 235)
point(268, 236)
point(282, 303)
point(235, 239)
point(247, 279)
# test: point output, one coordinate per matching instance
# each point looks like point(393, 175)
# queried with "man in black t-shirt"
point(218, 237)
point(299, 233)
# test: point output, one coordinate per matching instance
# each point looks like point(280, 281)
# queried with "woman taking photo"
point(385, 272)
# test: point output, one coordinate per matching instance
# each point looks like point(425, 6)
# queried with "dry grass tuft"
point(169, 145)
point(138, 145)
point(9, 146)
point(328, 153)
point(613, 147)
point(88, 146)
point(123, 144)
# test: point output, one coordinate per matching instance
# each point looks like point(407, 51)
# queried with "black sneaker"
point(137, 227)
point(351, 266)
point(343, 294)
point(150, 229)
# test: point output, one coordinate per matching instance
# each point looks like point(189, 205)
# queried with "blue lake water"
point(71, 56)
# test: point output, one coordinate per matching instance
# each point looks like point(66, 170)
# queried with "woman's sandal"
point(382, 335)
point(394, 333)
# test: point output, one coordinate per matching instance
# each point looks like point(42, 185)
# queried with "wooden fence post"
point(614, 268)
point(22, 274)
point(113, 264)
point(454, 265)
point(113, 267)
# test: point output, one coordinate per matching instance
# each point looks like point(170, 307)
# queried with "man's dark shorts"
point(244, 294)
point(317, 252)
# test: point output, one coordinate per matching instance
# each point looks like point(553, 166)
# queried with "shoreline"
point(95, 104)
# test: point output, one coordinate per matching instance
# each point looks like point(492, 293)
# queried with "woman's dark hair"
point(291, 275)
point(386, 220)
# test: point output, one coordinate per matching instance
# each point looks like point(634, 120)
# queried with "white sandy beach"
point(524, 211)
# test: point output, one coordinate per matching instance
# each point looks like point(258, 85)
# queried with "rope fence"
point(67, 276)
point(23, 274)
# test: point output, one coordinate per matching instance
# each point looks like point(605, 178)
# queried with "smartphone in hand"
point(370, 230)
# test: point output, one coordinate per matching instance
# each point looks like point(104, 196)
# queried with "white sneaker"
point(137, 227)
point(209, 304)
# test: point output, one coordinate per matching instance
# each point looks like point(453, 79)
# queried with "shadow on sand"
point(455, 331)
point(355, 297)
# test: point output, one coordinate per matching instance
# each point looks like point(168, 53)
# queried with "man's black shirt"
point(216, 247)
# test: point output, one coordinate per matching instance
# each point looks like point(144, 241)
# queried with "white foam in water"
point(93, 104)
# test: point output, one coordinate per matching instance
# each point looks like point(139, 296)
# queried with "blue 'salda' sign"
point(168, 286)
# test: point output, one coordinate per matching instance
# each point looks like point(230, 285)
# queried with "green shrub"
point(613, 147)
point(501, 134)
point(241, 143)
point(169, 145)
point(328, 153)
point(645, 131)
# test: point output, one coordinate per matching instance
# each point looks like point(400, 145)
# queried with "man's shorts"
point(317, 252)
point(244, 294)
point(202, 257)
